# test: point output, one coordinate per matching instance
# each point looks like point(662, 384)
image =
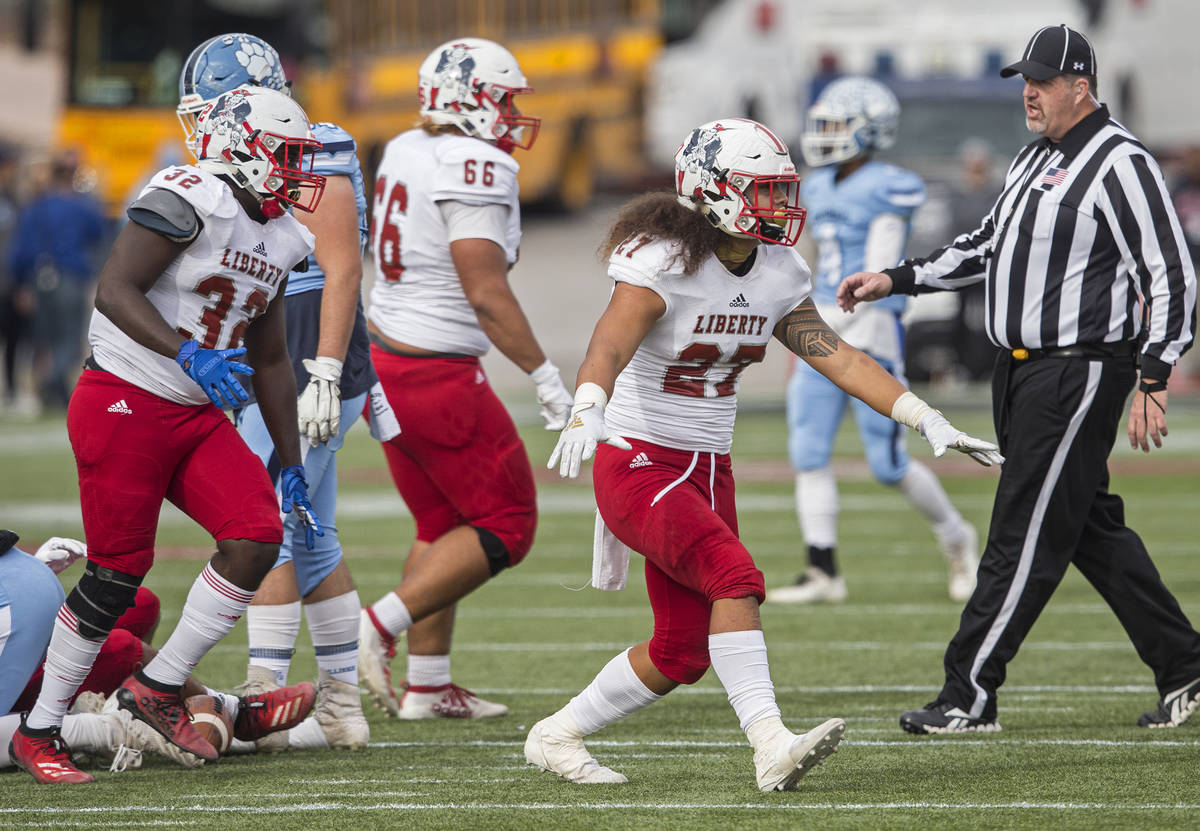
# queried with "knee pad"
point(142, 618)
point(732, 573)
point(99, 599)
point(495, 550)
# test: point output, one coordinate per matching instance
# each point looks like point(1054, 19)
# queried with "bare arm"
point(483, 271)
point(273, 379)
point(631, 313)
point(339, 253)
point(804, 332)
point(138, 258)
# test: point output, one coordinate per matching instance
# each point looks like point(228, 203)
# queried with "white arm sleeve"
point(886, 237)
point(485, 221)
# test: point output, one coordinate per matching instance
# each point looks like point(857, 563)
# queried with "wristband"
point(588, 394)
point(909, 410)
point(1149, 385)
point(546, 372)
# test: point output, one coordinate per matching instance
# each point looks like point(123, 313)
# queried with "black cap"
point(1052, 51)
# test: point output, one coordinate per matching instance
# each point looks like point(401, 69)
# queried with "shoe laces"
point(127, 757)
point(455, 700)
point(166, 707)
point(53, 746)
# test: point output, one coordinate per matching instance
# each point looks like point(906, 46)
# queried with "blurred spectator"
point(1186, 196)
point(14, 316)
point(971, 199)
point(53, 260)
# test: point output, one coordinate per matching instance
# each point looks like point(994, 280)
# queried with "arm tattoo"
point(804, 332)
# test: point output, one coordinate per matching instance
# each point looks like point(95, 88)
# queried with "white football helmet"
point(739, 174)
point(470, 83)
point(851, 116)
point(260, 138)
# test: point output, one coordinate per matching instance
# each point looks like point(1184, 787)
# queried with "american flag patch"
point(1054, 176)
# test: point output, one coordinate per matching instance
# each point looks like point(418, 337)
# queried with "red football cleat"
point(268, 712)
point(166, 713)
point(46, 757)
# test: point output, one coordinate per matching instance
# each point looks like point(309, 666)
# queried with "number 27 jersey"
point(680, 387)
point(212, 291)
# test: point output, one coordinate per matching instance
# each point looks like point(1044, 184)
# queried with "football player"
point(446, 229)
point(327, 341)
point(199, 268)
point(703, 280)
point(859, 212)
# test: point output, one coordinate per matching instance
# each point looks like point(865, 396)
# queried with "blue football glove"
point(295, 498)
point(213, 370)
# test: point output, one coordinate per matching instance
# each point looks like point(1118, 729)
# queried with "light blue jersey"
point(337, 158)
point(840, 216)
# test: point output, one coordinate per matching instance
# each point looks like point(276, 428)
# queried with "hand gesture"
point(554, 397)
point(578, 441)
point(1147, 417)
point(60, 552)
point(941, 434)
point(320, 406)
point(294, 492)
point(862, 286)
point(214, 371)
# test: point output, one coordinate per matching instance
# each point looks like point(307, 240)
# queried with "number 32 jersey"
point(680, 387)
point(417, 297)
point(212, 291)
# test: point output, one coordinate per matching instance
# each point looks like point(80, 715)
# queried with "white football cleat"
point(374, 665)
point(339, 712)
point(261, 680)
point(813, 586)
point(780, 762)
point(555, 744)
point(446, 701)
point(962, 561)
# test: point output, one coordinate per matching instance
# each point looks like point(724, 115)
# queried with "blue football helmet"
point(222, 64)
point(851, 116)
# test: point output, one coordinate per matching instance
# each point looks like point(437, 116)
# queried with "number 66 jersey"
point(680, 387)
point(212, 291)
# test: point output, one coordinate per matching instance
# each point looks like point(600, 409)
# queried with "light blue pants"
point(320, 471)
point(31, 595)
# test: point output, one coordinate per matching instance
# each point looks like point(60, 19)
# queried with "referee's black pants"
point(1056, 420)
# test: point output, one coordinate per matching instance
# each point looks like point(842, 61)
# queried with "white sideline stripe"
point(906, 743)
point(772, 807)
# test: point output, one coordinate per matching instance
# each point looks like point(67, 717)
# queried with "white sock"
point(213, 608)
point(614, 693)
point(232, 705)
point(307, 735)
point(69, 659)
point(428, 670)
point(392, 614)
point(333, 625)
point(817, 506)
point(239, 747)
point(88, 731)
point(924, 492)
point(740, 661)
point(8, 726)
point(272, 631)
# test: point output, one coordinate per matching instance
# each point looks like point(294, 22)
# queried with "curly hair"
point(660, 215)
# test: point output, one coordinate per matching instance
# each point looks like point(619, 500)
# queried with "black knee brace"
point(99, 598)
point(496, 551)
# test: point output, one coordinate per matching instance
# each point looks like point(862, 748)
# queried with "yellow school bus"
point(585, 59)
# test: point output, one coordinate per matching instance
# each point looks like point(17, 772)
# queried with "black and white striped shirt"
point(1083, 232)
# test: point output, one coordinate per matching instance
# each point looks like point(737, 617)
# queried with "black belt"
point(1091, 351)
point(90, 363)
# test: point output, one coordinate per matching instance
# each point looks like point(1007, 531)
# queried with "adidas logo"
point(640, 460)
point(120, 407)
point(739, 302)
point(260, 249)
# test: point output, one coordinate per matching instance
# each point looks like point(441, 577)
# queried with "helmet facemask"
point(770, 207)
point(831, 138)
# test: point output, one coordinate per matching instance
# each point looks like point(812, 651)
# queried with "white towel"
point(610, 559)
point(381, 419)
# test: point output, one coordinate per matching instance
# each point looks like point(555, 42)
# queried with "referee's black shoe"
point(1174, 708)
point(943, 717)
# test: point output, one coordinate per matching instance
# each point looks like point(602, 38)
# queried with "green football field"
point(1070, 755)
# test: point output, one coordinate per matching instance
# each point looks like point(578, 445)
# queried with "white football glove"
point(320, 405)
point(553, 395)
point(583, 432)
point(941, 434)
point(60, 552)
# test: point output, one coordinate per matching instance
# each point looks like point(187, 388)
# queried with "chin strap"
point(272, 208)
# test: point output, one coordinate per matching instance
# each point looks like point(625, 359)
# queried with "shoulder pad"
point(642, 259)
point(473, 171)
point(167, 213)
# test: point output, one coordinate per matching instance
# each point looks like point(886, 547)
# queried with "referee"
point(1086, 274)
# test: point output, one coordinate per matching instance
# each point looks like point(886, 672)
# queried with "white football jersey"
point(680, 388)
point(417, 297)
point(212, 291)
